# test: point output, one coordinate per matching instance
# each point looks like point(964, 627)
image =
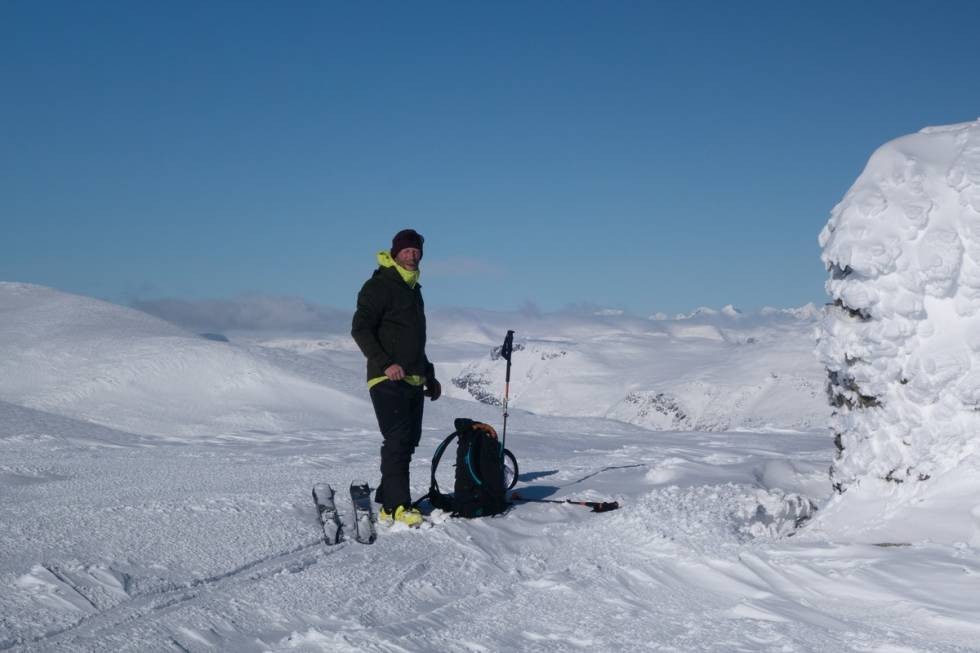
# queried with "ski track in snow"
point(214, 545)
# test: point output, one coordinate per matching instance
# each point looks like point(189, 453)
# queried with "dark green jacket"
point(389, 325)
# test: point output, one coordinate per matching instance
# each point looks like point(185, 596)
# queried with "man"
point(389, 328)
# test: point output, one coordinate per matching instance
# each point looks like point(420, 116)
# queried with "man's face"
point(409, 258)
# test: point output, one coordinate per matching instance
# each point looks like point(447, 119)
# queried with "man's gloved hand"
point(433, 390)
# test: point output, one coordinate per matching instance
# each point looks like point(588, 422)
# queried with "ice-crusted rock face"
point(901, 341)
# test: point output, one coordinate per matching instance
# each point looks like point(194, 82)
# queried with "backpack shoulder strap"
point(435, 496)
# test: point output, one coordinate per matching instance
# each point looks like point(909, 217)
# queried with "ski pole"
point(506, 352)
point(597, 506)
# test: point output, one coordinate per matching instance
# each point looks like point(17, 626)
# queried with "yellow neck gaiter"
point(410, 277)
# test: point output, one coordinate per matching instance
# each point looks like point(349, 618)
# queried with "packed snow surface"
point(157, 484)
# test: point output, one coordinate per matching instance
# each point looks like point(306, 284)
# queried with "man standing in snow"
point(389, 328)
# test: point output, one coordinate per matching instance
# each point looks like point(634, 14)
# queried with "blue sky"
point(649, 156)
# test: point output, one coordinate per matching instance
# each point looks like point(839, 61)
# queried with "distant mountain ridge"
point(688, 374)
point(704, 371)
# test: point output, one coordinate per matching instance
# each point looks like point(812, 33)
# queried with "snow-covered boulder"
point(901, 341)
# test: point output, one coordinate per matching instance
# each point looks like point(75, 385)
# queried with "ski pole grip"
point(507, 349)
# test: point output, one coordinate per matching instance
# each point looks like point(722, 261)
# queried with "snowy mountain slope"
point(111, 365)
point(710, 371)
point(117, 538)
point(706, 370)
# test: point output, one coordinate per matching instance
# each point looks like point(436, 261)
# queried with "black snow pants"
point(398, 407)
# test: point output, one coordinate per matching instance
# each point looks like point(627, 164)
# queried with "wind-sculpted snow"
point(902, 343)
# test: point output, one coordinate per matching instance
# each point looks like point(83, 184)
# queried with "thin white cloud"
point(248, 313)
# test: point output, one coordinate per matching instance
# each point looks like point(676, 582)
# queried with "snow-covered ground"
point(156, 495)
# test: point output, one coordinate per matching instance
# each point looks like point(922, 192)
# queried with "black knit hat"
point(404, 239)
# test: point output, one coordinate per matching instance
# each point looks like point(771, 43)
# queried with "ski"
point(327, 513)
point(360, 496)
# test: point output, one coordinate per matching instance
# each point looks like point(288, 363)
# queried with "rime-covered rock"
point(901, 339)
